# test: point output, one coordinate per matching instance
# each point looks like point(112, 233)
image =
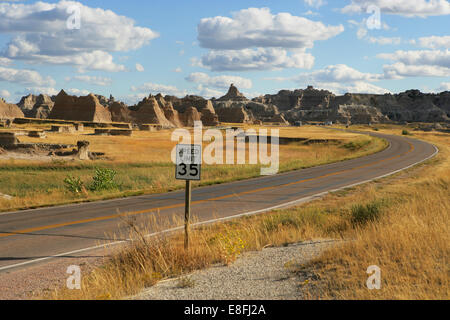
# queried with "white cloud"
point(36, 90)
point(337, 73)
point(178, 70)
point(99, 81)
point(209, 93)
point(4, 94)
point(400, 70)
point(385, 40)
point(139, 67)
point(434, 42)
point(5, 62)
point(78, 92)
point(430, 63)
point(258, 27)
point(445, 86)
point(256, 39)
point(339, 79)
point(40, 35)
point(311, 13)
point(356, 87)
point(24, 76)
point(315, 3)
point(407, 8)
point(222, 82)
point(254, 59)
point(155, 88)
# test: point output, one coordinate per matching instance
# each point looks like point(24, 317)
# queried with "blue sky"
point(133, 48)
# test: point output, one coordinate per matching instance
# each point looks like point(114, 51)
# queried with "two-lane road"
point(38, 235)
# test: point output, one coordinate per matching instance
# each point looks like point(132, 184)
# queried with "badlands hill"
point(284, 107)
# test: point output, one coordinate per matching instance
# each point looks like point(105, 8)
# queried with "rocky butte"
point(38, 107)
point(87, 108)
point(284, 107)
point(9, 111)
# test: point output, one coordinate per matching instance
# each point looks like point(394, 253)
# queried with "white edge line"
point(283, 205)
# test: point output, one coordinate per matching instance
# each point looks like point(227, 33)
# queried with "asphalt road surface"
point(40, 235)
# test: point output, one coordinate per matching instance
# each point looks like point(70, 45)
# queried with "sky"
point(134, 48)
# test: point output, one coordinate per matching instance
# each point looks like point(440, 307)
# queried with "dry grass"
point(143, 165)
point(409, 241)
point(399, 223)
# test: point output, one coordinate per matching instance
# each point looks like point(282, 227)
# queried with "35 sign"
point(189, 159)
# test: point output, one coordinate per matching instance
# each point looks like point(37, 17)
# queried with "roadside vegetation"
point(399, 223)
point(141, 165)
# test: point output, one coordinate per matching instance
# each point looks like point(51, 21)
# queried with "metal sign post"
point(187, 214)
point(188, 167)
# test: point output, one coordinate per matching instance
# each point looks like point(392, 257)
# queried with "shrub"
point(362, 214)
point(405, 133)
point(73, 184)
point(103, 180)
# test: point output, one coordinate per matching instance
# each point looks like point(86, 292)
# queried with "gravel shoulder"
point(263, 275)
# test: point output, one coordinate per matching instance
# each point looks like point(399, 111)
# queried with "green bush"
point(405, 133)
point(73, 184)
point(103, 180)
point(361, 214)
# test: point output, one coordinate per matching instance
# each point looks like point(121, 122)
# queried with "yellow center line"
point(25, 231)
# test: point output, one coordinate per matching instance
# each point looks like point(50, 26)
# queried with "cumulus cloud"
point(258, 27)
point(337, 73)
point(36, 90)
point(99, 81)
point(23, 76)
point(178, 70)
point(5, 62)
point(256, 39)
point(430, 63)
point(339, 79)
point(209, 93)
point(434, 42)
point(78, 92)
point(445, 86)
point(5, 94)
point(254, 59)
point(385, 40)
point(407, 8)
point(40, 35)
point(356, 87)
point(155, 88)
point(139, 67)
point(315, 3)
point(222, 82)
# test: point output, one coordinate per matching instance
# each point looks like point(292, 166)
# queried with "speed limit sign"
point(189, 162)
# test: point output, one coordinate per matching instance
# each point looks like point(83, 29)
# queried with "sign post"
point(188, 167)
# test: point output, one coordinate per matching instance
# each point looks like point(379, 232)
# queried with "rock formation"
point(86, 108)
point(38, 107)
point(321, 105)
point(120, 112)
point(205, 107)
point(233, 95)
point(148, 111)
point(234, 107)
point(9, 111)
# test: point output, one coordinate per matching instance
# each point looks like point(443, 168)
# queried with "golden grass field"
point(143, 164)
point(400, 223)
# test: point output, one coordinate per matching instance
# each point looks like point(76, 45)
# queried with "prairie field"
point(399, 223)
point(143, 164)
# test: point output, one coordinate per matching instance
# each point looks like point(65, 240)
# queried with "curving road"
point(36, 236)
